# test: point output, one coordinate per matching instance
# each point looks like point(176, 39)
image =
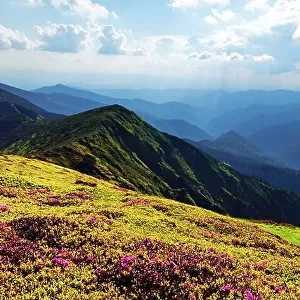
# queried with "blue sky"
point(226, 44)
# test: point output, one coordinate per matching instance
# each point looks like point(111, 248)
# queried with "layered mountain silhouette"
point(170, 110)
point(179, 128)
point(115, 144)
point(238, 152)
point(28, 107)
point(57, 103)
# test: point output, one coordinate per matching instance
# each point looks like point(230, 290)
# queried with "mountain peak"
point(230, 135)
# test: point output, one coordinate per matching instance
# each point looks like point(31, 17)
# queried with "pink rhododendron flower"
point(249, 295)
point(4, 207)
point(277, 289)
point(89, 260)
point(59, 261)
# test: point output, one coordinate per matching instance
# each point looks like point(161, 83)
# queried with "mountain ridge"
point(115, 144)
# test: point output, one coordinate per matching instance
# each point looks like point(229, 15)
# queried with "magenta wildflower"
point(125, 266)
point(89, 260)
point(4, 207)
point(172, 263)
point(93, 219)
point(247, 265)
point(193, 298)
point(98, 271)
point(277, 289)
point(109, 222)
point(226, 289)
point(59, 261)
point(128, 259)
point(249, 295)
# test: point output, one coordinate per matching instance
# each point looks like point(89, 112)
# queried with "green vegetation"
point(66, 235)
point(114, 144)
point(287, 232)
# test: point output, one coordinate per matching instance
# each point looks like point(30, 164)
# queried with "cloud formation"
point(217, 15)
point(14, 39)
point(84, 8)
point(194, 3)
point(62, 38)
point(253, 5)
point(114, 42)
point(33, 2)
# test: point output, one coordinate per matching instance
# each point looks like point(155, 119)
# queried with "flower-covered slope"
point(65, 235)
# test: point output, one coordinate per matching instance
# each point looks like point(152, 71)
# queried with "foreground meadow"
point(65, 235)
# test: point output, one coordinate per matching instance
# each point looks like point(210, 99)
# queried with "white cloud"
point(253, 5)
point(194, 3)
point(296, 34)
point(33, 2)
point(283, 12)
point(229, 57)
point(62, 38)
point(222, 39)
point(115, 15)
point(166, 46)
point(263, 58)
point(14, 39)
point(225, 16)
point(114, 42)
point(83, 8)
point(210, 20)
point(205, 55)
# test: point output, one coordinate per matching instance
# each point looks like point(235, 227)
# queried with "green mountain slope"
point(115, 144)
point(66, 235)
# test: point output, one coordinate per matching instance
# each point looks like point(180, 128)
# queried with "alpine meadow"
point(149, 150)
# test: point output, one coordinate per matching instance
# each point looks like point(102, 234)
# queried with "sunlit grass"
point(68, 210)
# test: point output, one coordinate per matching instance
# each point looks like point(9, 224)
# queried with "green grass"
point(50, 208)
point(289, 233)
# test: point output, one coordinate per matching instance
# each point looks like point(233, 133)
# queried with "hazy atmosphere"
point(155, 44)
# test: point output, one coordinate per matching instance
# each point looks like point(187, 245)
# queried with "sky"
point(204, 44)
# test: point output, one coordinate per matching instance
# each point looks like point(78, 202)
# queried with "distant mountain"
point(276, 139)
point(170, 110)
point(245, 157)
point(248, 120)
point(115, 144)
point(234, 143)
point(21, 104)
point(188, 96)
point(291, 157)
point(56, 102)
point(179, 128)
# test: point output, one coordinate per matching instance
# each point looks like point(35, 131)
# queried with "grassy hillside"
point(115, 144)
point(66, 235)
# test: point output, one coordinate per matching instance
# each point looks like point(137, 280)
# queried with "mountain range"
point(168, 110)
point(113, 143)
point(243, 156)
point(57, 103)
